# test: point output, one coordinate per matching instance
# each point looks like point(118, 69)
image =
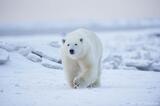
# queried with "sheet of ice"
point(26, 83)
point(131, 48)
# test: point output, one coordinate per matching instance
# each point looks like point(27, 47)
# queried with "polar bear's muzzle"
point(71, 51)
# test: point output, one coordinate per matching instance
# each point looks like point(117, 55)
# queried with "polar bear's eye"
point(76, 44)
point(67, 44)
point(81, 40)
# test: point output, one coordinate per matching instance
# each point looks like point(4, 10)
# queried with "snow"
point(34, 57)
point(4, 56)
point(130, 71)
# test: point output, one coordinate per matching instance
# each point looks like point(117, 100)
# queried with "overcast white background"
point(77, 10)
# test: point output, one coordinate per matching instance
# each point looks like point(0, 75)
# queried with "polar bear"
point(81, 53)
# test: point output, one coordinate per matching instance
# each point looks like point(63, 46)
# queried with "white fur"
point(82, 68)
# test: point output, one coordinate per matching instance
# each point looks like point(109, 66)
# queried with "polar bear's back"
point(84, 33)
point(96, 44)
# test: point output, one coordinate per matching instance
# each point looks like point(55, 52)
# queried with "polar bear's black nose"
point(71, 51)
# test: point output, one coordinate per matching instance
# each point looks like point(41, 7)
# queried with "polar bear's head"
point(75, 47)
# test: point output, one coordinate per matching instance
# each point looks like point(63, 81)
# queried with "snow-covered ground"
point(31, 72)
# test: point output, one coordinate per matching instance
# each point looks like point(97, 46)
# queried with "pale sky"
point(77, 10)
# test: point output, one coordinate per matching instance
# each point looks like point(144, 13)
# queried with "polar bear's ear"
point(81, 40)
point(63, 41)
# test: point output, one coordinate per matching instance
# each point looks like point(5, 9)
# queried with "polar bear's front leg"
point(86, 78)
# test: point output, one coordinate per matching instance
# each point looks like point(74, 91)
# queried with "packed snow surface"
point(32, 74)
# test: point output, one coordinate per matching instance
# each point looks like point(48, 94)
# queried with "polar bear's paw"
point(78, 83)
